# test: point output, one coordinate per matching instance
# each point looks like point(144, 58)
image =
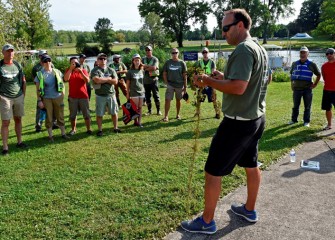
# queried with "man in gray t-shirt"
point(243, 84)
point(175, 77)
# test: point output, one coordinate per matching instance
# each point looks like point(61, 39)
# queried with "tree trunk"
point(180, 39)
point(265, 33)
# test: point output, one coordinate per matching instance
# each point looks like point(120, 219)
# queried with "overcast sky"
point(83, 14)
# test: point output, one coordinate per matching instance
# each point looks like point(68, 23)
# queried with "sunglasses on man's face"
point(174, 53)
point(227, 27)
point(102, 59)
point(329, 54)
point(147, 50)
point(204, 52)
point(47, 60)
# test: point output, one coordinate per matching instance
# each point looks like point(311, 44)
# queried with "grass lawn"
point(131, 185)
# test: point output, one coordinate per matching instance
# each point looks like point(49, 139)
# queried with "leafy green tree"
point(264, 13)
point(120, 37)
point(34, 24)
point(327, 25)
point(104, 31)
point(156, 35)
point(176, 14)
point(309, 16)
point(81, 43)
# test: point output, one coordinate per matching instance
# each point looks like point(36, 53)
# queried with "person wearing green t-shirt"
point(103, 80)
point(121, 71)
point(175, 77)
point(135, 86)
point(151, 67)
point(243, 84)
point(12, 92)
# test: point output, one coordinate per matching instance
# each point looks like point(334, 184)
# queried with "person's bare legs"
point(212, 194)
point(114, 120)
point(5, 133)
point(88, 124)
point(253, 183)
point(74, 124)
point(178, 105)
point(18, 128)
point(99, 123)
point(329, 118)
point(167, 108)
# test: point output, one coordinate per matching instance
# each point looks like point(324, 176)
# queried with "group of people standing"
point(302, 83)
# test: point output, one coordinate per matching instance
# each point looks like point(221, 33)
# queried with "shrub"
point(279, 75)
point(27, 69)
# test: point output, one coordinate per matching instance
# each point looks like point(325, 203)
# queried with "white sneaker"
point(306, 125)
point(291, 122)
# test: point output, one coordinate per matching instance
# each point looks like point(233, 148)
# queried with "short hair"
point(71, 58)
point(240, 15)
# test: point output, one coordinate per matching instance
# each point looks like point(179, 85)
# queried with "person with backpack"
point(12, 92)
point(302, 84)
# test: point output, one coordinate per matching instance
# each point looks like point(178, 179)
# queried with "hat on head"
point(45, 57)
point(7, 47)
point(148, 47)
point(116, 56)
point(205, 49)
point(330, 50)
point(136, 55)
point(101, 55)
point(82, 55)
point(42, 52)
point(304, 49)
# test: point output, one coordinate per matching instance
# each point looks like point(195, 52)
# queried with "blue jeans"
point(307, 96)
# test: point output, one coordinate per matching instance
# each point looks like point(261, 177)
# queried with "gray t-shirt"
point(175, 70)
point(136, 76)
point(105, 88)
point(50, 84)
point(248, 62)
point(152, 62)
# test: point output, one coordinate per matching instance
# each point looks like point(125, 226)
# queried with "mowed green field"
point(132, 185)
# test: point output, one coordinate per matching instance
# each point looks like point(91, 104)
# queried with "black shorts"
point(328, 99)
point(235, 142)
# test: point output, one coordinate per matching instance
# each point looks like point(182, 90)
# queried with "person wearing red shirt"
point(78, 96)
point(328, 97)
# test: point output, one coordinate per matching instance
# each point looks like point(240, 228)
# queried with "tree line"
point(27, 23)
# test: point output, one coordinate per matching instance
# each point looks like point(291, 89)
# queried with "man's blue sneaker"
point(250, 216)
point(198, 225)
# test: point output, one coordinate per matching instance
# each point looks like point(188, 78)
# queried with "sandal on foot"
point(165, 119)
point(178, 117)
point(326, 128)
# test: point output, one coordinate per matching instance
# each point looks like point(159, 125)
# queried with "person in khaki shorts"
point(12, 92)
point(175, 77)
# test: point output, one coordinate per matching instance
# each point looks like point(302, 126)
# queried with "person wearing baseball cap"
point(121, 71)
point(12, 92)
point(38, 67)
point(151, 81)
point(103, 80)
point(208, 66)
point(135, 86)
point(328, 96)
point(50, 96)
point(302, 72)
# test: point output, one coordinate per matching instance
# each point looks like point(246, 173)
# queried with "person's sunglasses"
point(227, 27)
point(102, 59)
point(204, 52)
point(47, 60)
point(329, 54)
point(174, 53)
point(147, 50)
